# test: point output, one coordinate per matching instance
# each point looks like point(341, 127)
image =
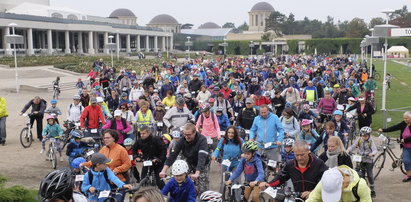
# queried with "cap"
point(93, 100)
point(99, 99)
point(216, 88)
point(76, 97)
point(124, 94)
point(180, 101)
point(249, 100)
point(99, 158)
point(332, 181)
point(117, 113)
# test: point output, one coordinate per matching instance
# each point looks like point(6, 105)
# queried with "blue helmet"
point(53, 101)
point(338, 112)
point(77, 161)
point(76, 134)
point(128, 142)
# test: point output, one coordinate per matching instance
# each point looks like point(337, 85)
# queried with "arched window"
point(72, 17)
point(56, 15)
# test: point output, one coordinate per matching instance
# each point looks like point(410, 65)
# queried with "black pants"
point(39, 125)
point(367, 167)
point(156, 169)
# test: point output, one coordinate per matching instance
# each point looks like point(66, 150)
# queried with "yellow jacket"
point(3, 107)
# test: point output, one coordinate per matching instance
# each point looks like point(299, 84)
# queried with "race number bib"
point(147, 163)
point(357, 158)
point(159, 124)
point(104, 194)
point(271, 192)
point(130, 157)
point(90, 153)
point(272, 163)
point(226, 163)
point(93, 131)
point(267, 145)
point(79, 178)
point(167, 108)
point(236, 114)
point(222, 133)
point(236, 186)
point(247, 131)
point(209, 140)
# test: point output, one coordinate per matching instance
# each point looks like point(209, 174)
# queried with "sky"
point(221, 11)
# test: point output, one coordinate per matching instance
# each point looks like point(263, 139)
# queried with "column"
point(128, 43)
point(155, 44)
point(96, 42)
point(147, 49)
point(49, 42)
point(57, 40)
point(106, 50)
point(67, 42)
point(6, 46)
point(43, 40)
point(30, 50)
point(138, 43)
point(171, 43)
point(163, 44)
point(90, 43)
point(80, 43)
point(118, 43)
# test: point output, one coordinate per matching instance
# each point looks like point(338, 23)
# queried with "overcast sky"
point(198, 12)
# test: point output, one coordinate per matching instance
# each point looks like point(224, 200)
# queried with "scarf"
point(332, 160)
point(289, 120)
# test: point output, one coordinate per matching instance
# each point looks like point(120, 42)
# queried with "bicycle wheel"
point(377, 76)
point(53, 158)
point(402, 166)
point(378, 164)
point(26, 138)
point(110, 199)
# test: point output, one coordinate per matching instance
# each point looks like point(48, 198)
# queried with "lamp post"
point(251, 48)
point(167, 41)
point(15, 39)
point(118, 43)
point(188, 44)
point(224, 45)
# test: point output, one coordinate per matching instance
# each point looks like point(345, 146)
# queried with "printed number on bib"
point(357, 158)
point(90, 153)
point(209, 140)
point(226, 162)
point(272, 163)
point(271, 192)
point(93, 131)
point(266, 145)
point(236, 186)
point(79, 178)
point(159, 124)
point(147, 163)
point(104, 194)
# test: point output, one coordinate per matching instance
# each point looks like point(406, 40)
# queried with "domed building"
point(166, 22)
point(257, 16)
point(125, 15)
point(209, 25)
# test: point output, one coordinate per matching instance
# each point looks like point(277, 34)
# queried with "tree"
point(267, 36)
point(275, 22)
point(290, 25)
point(376, 21)
point(357, 28)
point(243, 27)
point(229, 25)
point(401, 17)
point(187, 26)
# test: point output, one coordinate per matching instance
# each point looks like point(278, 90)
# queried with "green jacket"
point(370, 85)
point(355, 91)
point(347, 195)
point(3, 107)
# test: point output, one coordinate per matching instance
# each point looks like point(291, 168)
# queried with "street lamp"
point(14, 39)
point(251, 48)
point(111, 46)
point(167, 41)
point(188, 44)
point(118, 43)
point(224, 45)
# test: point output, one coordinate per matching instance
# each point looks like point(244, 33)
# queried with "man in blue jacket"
point(270, 133)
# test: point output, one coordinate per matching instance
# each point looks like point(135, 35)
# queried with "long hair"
point(236, 139)
point(151, 194)
point(337, 140)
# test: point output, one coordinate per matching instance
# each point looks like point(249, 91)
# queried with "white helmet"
point(179, 167)
point(289, 142)
point(365, 130)
point(176, 134)
point(211, 196)
point(99, 99)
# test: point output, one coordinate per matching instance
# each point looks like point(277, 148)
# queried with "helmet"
point(187, 95)
point(352, 99)
point(219, 109)
point(53, 101)
point(336, 85)
point(167, 137)
point(289, 142)
point(211, 196)
point(50, 117)
point(77, 161)
point(205, 107)
point(159, 103)
point(176, 134)
point(128, 142)
point(76, 134)
point(100, 99)
point(76, 97)
point(365, 130)
point(179, 167)
point(249, 146)
point(211, 100)
point(306, 106)
point(57, 184)
point(338, 112)
point(305, 122)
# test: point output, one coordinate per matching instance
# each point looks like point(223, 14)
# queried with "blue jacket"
point(230, 150)
point(310, 115)
point(268, 130)
point(75, 149)
point(100, 183)
point(185, 192)
point(287, 156)
point(253, 170)
point(223, 121)
point(52, 130)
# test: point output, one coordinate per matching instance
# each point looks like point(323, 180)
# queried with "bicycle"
point(352, 135)
point(387, 146)
point(26, 137)
point(56, 92)
point(114, 192)
point(69, 125)
point(279, 194)
point(359, 165)
point(233, 187)
point(52, 156)
point(271, 167)
point(150, 178)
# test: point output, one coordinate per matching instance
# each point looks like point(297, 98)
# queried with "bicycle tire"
point(110, 199)
point(402, 166)
point(53, 159)
point(378, 166)
point(377, 76)
point(24, 140)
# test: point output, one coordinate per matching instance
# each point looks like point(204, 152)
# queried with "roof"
point(163, 19)
point(397, 49)
point(209, 25)
point(122, 12)
point(262, 6)
point(207, 32)
point(41, 10)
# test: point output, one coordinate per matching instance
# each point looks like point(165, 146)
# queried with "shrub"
point(14, 193)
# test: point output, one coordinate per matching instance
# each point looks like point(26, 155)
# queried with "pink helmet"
point(305, 122)
point(306, 106)
point(50, 117)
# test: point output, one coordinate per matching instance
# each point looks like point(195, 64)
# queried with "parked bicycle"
point(26, 137)
point(387, 145)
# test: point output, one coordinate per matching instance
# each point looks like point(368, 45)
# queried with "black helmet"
point(57, 185)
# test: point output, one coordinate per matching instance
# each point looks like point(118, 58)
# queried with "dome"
point(262, 6)
point(209, 25)
point(122, 12)
point(163, 19)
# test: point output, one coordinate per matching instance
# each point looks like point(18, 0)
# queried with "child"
point(98, 178)
point(328, 132)
point(75, 166)
point(176, 136)
point(287, 153)
point(388, 77)
point(158, 115)
point(223, 120)
point(128, 144)
point(253, 169)
point(79, 85)
point(367, 149)
point(52, 130)
point(308, 134)
point(180, 187)
point(54, 110)
point(76, 147)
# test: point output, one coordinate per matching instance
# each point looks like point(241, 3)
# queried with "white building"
point(165, 22)
point(257, 16)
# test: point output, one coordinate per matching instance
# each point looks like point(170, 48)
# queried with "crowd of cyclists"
point(279, 123)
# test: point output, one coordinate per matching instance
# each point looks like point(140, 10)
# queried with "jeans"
point(3, 129)
point(39, 124)
point(367, 167)
point(406, 157)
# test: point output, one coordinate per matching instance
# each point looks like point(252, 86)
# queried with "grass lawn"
point(398, 96)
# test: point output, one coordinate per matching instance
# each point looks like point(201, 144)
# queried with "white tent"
point(397, 52)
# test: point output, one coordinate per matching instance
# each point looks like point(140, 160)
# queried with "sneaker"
point(373, 195)
point(41, 151)
point(406, 179)
point(61, 159)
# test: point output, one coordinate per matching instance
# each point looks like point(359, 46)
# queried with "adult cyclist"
point(93, 114)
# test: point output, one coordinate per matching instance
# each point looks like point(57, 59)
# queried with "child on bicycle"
point(253, 169)
point(54, 110)
point(308, 134)
point(367, 149)
point(52, 130)
point(180, 187)
point(287, 153)
point(128, 144)
point(176, 135)
point(76, 147)
point(98, 178)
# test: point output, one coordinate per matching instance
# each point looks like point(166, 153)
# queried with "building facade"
point(257, 16)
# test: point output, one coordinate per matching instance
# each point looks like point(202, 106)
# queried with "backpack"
point(90, 176)
point(202, 119)
point(255, 111)
point(81, 107)
point(355, 191)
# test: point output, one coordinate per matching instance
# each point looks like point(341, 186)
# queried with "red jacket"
point(226, 93)
point(94, 115)
point(261, 101)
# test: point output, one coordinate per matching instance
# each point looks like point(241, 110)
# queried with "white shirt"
point(74, 112)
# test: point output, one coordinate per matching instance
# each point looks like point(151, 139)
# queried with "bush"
point(14, 193)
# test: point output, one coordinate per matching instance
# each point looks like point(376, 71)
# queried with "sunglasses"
point(123, 108)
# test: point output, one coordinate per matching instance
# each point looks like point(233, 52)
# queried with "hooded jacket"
point(184, 192)
point(268, 129)
point(75, 149)
point(230, 151)
point(100, 183)
point(253, 169)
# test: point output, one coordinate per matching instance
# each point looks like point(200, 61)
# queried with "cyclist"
point(119, 124)
point(290, 123)
point(128, 144)
point(287, 153)
point(178, 115)
point(211, 196)
point(180, 187)
point(278, 102)
point(335, 155)
point(308, 134)
point(85, 97)
point(99, 177)
point(364, 111)
point(326, 106)
point(247, 114)
point(367, 149)
point(75, 109)
point(307, 113)
point(75, 147)
point(253, 169)
point(340, 124)
point(310, 92)
point(194, 149)
point(149, 147)
point(3, 116)
point(93, 114)
point(53, 109)
point(104, 107)
point(38, 106)
point(223, 120)
point(267, 128)
point(52, 130)
point(328, 132)
point(57, 186)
